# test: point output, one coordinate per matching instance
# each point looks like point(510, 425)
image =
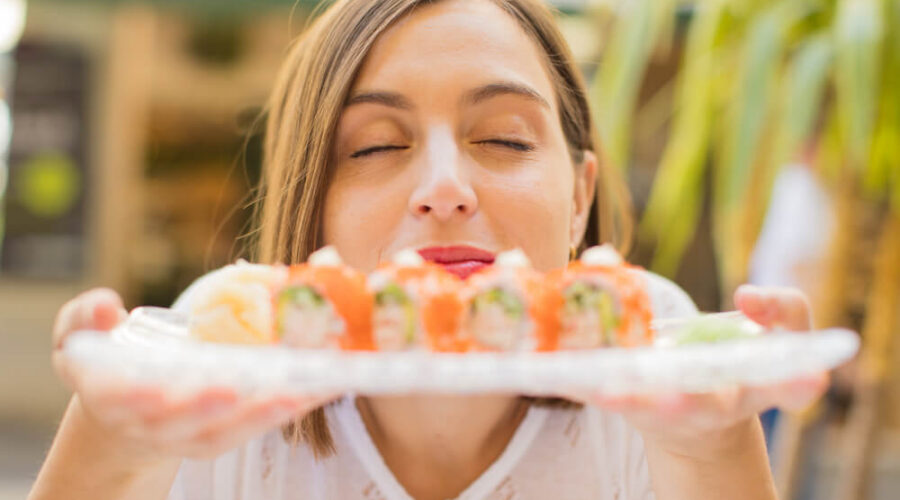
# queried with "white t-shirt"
point(796, 230)
point(555, 453)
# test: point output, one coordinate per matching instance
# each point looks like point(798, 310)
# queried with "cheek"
point(532, 209)
point(361, 218)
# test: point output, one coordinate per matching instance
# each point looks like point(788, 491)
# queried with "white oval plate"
point(153, 347)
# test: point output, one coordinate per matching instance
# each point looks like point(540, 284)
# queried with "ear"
point(585, 187)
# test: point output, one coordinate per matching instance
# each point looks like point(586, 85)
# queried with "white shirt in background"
point(797, 228)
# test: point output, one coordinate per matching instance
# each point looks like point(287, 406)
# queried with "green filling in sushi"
point(391, 294)
point(394, 295)
point(304, 316)
point(304, 297)
point(582, 296)
point(511, 304)
point(608, 316)
point(710, 330)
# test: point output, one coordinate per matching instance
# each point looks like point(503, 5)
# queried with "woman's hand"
point(706, 426)
point(147, 423)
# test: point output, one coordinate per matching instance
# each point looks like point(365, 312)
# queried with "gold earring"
point(573, 253)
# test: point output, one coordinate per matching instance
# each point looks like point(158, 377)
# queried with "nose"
point(444, 191)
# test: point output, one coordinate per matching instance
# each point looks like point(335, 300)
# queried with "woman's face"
point(451, 136)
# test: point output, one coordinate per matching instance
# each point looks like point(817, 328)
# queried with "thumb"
point(96, 309)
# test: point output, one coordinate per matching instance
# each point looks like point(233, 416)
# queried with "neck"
point(438, 445)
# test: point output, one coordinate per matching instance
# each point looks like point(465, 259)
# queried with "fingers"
point(718, 410)
point(794, 395)
point(95, 309)
point(199, 425)
point(775, 306)
point(152, 410)
point(249, 421)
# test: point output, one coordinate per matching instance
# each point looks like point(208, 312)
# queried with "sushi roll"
point(502, 306)
point(416, 305)
point(323, 304)
point(396, 290)
point(600, 301)
point(233, 304)
point(442, 310)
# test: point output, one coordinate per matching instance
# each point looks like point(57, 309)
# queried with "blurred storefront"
point(126, 169)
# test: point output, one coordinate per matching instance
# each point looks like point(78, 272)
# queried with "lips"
point(459, 260)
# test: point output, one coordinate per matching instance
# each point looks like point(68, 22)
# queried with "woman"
point(460, 126)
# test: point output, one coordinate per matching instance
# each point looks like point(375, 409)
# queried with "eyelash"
point(376, 149)
point(517, 146)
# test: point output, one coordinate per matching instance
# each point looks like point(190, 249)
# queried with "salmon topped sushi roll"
point(396, 288)
point(324, 304)
point(416, 305)
point(502, 302)
point(600, 301)
point(233, 304)
point(442, 310)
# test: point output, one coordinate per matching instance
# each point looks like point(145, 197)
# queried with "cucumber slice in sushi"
point(591, 316)
point(394, 318)
point(305, 318)
point(497, 319)
point(509, 302)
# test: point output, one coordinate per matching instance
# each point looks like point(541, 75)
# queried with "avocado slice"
point(512, 305)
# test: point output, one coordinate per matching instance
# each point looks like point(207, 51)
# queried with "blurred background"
point(760, 140)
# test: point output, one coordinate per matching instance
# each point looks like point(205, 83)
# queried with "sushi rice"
point(395, 317)
point(498, 300)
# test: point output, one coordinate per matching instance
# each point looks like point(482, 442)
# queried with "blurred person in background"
point(398, 124)
point(791, 252)
point(796, 231)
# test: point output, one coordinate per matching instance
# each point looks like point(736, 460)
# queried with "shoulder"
point(667, 299)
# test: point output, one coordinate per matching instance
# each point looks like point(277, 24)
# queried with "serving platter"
point(154, 347)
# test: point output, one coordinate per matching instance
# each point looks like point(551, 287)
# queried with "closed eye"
point(515, 145)
point(377, 149)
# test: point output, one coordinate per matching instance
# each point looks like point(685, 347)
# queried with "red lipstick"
point(460, 260)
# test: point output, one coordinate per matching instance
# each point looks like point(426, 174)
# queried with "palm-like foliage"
point(753, 80)
point(756, 81)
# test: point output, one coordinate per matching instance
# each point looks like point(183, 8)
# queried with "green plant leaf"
point(748, 107)
point(858, 36)
point(894, 86)
point(743, 160)
point(617, 82)
point(829, 152)
point(673, 208)
point(884, 162)
point(685, 217)
point(803, 89)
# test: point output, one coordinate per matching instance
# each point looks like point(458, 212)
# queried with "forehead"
point(454, 43)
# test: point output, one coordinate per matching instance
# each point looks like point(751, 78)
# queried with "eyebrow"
point(389, 99)
point(474, 96)
point(505, 88)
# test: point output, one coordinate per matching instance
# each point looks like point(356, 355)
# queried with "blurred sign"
point(45, 199)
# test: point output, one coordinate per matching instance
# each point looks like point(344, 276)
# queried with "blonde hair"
point(303, 112)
